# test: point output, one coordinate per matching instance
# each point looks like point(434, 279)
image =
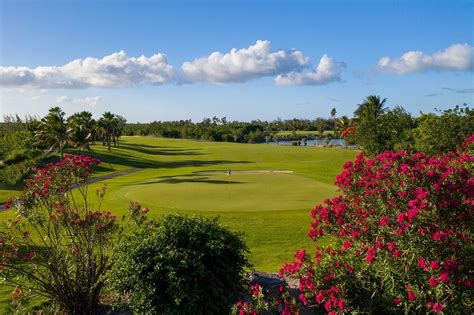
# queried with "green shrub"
point(181, 265)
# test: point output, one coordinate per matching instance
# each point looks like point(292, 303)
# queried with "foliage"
point(379, 129)
point(181, 265)
point(445, 132)
point(403, 230)
point(260, 303)
point(19, 153)
point(58, 247)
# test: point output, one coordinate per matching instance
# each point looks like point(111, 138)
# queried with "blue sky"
point(275, 77)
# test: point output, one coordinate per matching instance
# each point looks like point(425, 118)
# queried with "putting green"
point(241, 191)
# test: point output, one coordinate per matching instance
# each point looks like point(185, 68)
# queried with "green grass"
point(272, 209)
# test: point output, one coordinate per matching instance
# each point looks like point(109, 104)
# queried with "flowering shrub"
point(402, 230)
point(58, 247)
point(181, 265)
point(260, 303)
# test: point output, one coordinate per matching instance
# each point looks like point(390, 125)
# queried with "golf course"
point(267, 196)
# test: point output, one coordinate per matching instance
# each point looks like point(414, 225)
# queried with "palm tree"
point(371, 108)
point(111, 127)
point(120, 123)
point(53, 130)
point(343, 126)
point(80, 129)
point(333, 115)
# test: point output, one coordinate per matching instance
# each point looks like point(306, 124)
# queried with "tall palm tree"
point(107, 128)
point(333, 115)
point(371, 108)
point(80, 129)
point(120, 123)
point(53, 130)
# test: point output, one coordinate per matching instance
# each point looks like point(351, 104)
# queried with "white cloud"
point(112, 71)
point(240, 65)
point(327, 71)
point(457, 57)
point(90, 101)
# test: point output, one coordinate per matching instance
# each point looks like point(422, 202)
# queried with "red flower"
point(8, 204)
point(422, 262)
point(346, 245)
point(444, 277)
point(434, 265)
point(411, 296)
point(397, 301)
point(437, 307)
point(385, 219)
point(370, 255)
point(433, 282)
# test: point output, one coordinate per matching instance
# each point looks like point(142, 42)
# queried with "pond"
point(313, 142)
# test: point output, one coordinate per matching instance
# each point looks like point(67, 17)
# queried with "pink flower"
point(385, 219)
point(422, 262)
point(437, 307)
point(412, 213)
point(320, 297)
point(401, 218)
point(391, 246)
point(8, 204)
point(346, 245)
point(411, 296)
point(444, 277)
point(370, 255)
point(433, 282)
point(397, 301)
point(434, 265)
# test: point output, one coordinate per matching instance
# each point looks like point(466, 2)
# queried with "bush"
point(402, 231)
point(181, 265)
point(58, 247)
point(444, 132)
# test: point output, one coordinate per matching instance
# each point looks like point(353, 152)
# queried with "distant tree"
point(321, 126)
point(333, 116)
point(53, 130)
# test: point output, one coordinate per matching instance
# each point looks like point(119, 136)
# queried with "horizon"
point(168, 61)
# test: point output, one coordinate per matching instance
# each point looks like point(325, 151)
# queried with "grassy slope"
point(271, 209)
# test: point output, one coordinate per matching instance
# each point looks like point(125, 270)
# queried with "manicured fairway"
point(272, 209)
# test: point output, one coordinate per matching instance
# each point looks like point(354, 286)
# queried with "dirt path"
point(102, 178)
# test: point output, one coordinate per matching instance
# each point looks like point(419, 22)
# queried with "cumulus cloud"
point(240, 65)
point(327, 71)
point(112, 71)
point(457, 57)
point(90, 101)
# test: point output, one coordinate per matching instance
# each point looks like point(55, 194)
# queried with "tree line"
point(219, 129)
point(25, 142)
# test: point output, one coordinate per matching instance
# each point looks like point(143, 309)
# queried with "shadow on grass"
point(159, 150)
point(190, 178)
point(121, 159)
